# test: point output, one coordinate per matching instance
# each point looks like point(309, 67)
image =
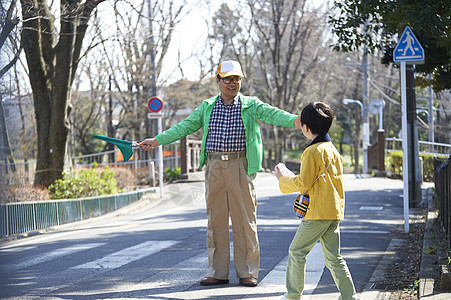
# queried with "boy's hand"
point(282, 170)
point(149, 144)
point(278, 172)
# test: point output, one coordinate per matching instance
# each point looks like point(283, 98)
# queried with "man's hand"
point(149, 144)
point(297, 123)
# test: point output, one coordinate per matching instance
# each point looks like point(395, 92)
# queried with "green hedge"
point(393, 164)
point(87, 183)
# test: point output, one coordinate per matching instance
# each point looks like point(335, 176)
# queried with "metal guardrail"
point(393, 144)
point(443, 190)
point(16, 218)
point(136, 163)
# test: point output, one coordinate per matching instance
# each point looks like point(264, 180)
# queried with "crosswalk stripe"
point(272, 284)
point(174, 282)
point(49, 256)
point(127, 255)
point(162, 285)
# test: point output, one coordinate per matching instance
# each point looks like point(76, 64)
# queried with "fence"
point(113, 158)
point(16, 218)
point(184, 155)
point(443, 190)
point(393, 144)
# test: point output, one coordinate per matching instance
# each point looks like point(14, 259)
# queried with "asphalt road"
point(157, 249)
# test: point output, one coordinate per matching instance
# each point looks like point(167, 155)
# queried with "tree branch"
point(10, 23)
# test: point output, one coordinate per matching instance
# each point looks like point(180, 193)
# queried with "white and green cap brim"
point(229, 68)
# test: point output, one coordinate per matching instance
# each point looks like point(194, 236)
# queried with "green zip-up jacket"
point(252, 110)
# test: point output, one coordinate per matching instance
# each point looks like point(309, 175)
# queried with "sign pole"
point(155, 105)
point(405, 154)
point(408, 50)
point(160, 160)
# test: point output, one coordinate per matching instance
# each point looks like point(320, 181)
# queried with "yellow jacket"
point(327, 200)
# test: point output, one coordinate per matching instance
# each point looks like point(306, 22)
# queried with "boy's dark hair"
point(318, 116)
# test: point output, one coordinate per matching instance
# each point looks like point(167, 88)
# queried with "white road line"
point(127, 255)
point(371, 208)
point(364, 231)
point(314, 269)
point(163, 285)
point(37, 259)
point(273, 283)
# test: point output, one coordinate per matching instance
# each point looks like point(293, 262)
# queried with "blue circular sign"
point(155, 104)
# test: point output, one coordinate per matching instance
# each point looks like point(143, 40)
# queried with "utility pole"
point(431, 116)
point(412, 140)
point(366, 119)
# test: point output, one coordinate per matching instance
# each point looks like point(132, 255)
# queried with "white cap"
point(229, 68)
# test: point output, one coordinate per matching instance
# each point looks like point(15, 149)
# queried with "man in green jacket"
point(232, 153)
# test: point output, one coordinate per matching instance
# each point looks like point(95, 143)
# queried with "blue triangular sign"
point(408, 48)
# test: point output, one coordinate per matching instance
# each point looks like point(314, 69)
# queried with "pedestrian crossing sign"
point(408, 48)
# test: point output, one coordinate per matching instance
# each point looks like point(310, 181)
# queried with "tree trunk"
point(6, 151)
point(52, 62)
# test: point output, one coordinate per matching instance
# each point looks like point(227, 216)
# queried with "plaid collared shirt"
point(226, 129)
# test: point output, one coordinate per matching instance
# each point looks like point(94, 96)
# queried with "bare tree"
point(287, 50)
point(53, 54)
point(143, 35)
point(8, 22)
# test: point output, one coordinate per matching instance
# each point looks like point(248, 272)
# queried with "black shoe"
point(250, 281)
point(213, 281)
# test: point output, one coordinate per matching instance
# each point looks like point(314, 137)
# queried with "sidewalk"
point(429, 271)
point(431, 262)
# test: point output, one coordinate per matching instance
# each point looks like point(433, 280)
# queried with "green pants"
point(308, 234)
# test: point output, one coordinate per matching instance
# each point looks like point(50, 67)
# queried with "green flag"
point(124, 146)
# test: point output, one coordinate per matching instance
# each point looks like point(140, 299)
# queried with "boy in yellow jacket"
point(326, 207)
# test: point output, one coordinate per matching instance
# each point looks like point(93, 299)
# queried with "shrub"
point(171, 174)
point(87, 183)
point(125, 179)
point(14, 187)
point(394, 164)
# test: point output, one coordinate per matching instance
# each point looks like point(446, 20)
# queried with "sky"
point(187, 37)
point(192, 32)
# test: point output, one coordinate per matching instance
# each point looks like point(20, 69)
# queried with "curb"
point(430, 269)
point(389, 257)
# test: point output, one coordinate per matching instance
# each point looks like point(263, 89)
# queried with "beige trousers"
point(230, 190)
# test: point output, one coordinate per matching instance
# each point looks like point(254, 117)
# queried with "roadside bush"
point(20, 191)
point(394, 165)
point(171, 174)
point(125, 179)
point(87, 183)
point(142, 176)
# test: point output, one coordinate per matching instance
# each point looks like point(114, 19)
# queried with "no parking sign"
point(155, 104)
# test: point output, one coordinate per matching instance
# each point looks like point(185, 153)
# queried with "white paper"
point(284, 170)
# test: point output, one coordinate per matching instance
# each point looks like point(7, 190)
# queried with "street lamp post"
point(366, 131)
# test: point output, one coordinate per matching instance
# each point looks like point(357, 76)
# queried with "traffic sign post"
point(408, 50)
point(155, 105)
